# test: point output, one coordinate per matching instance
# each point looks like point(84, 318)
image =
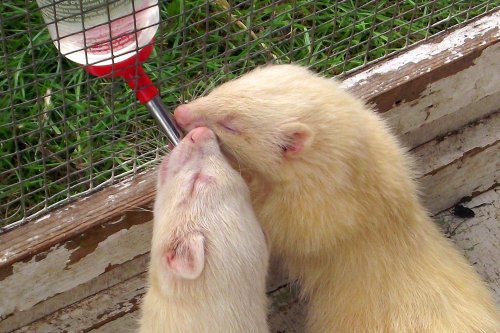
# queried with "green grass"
point(63, 132)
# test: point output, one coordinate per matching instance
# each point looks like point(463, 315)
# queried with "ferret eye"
point(228, 127)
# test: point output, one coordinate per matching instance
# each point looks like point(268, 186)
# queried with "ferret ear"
point(298, 137)
point(187, 259)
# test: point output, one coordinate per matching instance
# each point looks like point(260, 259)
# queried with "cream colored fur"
point(343, 211)
point(224, 289)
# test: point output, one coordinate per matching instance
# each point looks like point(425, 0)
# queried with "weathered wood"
point(438, 86)
point(461, 164)
point(93, 286)
point(95, 311)
point(403, 77)
point(478, 237)
point(94, 244)
point(110, 229)
point(117, 308)
point(124, 324)
point(127, 201)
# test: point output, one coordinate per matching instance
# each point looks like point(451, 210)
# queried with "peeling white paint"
point(42, 218)
point(6, 255)
point(444, 152)
point(32, 238)
point(477, 237)
point(450, 103)
point(123, 185)
point(33, 282)
point(30, 281)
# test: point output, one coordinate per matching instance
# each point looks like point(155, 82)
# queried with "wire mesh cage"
point(65, 133)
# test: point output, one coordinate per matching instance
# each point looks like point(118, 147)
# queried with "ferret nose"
point(201, 134)
point(183, 116)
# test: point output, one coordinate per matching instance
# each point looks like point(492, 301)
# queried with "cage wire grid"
point(65, 133)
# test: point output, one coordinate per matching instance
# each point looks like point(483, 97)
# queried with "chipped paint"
point(123, 185)
point(28, 283)
point(47, 216)
point(440, 109)
point(469, 175)
point(33, 238)
point(5, 256)
point(117, 308)
point(35, 281)
point(120, 219)
point(447, 150)
point(478, 237)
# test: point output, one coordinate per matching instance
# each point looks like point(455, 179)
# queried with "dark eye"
point(228, 127)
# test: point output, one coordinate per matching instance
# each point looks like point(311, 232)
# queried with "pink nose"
point(201, 134)
point(183, 116)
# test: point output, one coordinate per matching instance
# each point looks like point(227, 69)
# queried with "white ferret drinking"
point(209, 256)
point(333, 190)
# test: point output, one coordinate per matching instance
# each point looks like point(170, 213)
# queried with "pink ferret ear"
point(298, 138)
point(187, 259)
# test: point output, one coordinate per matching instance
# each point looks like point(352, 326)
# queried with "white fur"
point(339, 206)
point(215, 282)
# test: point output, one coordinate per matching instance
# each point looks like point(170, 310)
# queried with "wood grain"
point(117, 307)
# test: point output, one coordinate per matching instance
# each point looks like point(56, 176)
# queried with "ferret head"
point(199, 201)
point(262, 119)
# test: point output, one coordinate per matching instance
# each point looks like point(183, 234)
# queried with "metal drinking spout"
point(164, 119)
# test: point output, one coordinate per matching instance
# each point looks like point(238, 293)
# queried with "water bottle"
point(111, 38)
point(100, 32)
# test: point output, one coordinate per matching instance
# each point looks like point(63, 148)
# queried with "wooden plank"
point(450, 103)
point(93, 286)
point(77, 244)
point(117, 308)
point(132, 196)
point(462, 164)
point(403, 77)
point(126, 323)
point(478, 237)
point(95, 311)
point(439, 86)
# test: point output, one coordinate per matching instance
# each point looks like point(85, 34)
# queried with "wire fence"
point(65, 133)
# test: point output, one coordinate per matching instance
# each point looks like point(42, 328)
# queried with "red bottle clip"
point(131, 70)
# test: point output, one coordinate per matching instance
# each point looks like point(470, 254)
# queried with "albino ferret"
point(333, 190)
point(209, 256)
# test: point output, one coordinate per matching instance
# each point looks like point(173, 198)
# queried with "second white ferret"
point(333, 189)
point(209, 256)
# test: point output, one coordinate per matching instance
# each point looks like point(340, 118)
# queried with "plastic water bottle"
point(100, 32)
point(111, 38)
